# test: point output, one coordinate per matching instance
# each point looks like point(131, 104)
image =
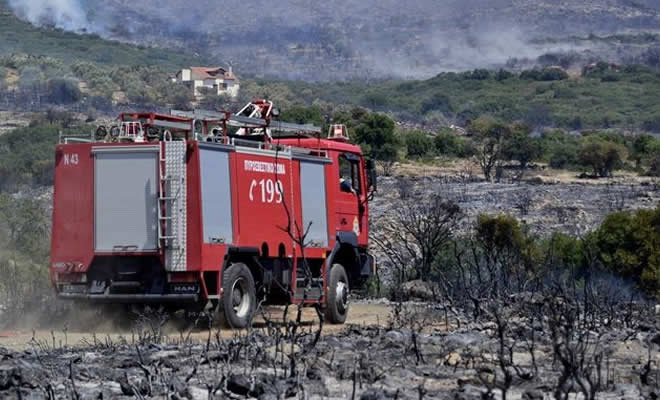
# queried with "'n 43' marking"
point(71, 159)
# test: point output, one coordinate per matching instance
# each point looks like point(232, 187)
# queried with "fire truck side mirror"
point(371, 176)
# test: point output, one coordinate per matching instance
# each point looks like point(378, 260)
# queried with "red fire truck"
point(191, 209)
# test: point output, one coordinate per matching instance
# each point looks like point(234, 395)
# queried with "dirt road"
point(87, 327)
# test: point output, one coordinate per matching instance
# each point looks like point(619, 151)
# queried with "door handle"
point(343, 221)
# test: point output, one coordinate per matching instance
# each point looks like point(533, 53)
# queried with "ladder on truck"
point(172, 204)
point(246, 122)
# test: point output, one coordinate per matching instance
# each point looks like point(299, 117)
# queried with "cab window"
point(349, 173)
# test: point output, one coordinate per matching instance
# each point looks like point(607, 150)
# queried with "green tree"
point(563, 155)
point(506, 244)
point(178, 95)
point(351, 118)
point(139, 93)
point(446, 142)
point(653, 159)
point(304, 115)
point(418, 144)
point(629, 245)
point(563, 251)
point(375, 132)
point(642, 147)
point(521, 146)
point(489, 136)
point(559, 149)
point(601, 155)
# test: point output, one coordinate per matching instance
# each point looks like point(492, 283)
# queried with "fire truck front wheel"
point(337, 308)
point(238, 298)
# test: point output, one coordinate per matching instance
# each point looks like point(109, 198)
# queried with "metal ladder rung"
point(165, 218)
point(168, 197)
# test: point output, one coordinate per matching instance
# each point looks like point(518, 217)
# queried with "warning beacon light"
point(338, 133)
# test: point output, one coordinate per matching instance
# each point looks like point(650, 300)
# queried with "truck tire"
point(337, 306)
point(238, 298)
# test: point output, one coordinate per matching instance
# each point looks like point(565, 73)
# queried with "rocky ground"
point(411, 356)
point(546, 205)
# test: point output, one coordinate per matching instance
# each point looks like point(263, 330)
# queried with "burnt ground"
point(385, 351)
point(412, 355)
point(572, 207)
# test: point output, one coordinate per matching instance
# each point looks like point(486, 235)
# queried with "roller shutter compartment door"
point(313, 198)
point(126, 199)
point(216, 195)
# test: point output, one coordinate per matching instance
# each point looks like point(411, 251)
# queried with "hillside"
point(19, 36)
point(621, 96)
point(624, 97)
point(344, 40)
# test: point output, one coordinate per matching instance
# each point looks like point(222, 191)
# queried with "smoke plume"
point(344, 39)
point(65, 14)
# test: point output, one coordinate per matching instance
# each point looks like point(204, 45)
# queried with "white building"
point(218, 79)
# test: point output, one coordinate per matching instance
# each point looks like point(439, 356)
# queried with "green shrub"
point(375, 100)
point(563, 251)
point(504, 240)
point(478, 74)
point(140, 94)
point(375, 132)
point(27, 155)
point(418, 144)
point(563, 156)
point(521, 146)
point(612, 77)
point(489, 137)
point(304, 115)
point(437, 102)
point(503, 74)
point(26, 224)
point(653, 159)
point(627, 244)
point(562, 92)
point(446, 143)
point(642, 147)
point(601, 155)
point(545, 74)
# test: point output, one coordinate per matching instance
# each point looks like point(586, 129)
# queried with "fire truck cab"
point(195, 208)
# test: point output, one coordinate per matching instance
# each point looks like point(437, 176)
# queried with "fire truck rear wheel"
point(337, 308)
point(238, 298)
